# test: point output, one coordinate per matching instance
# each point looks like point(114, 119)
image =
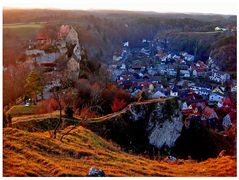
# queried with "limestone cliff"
point(155, 127)
point(69, 44)
point(142, 125)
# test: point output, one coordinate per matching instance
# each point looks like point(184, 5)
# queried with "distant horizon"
point(229, 7)
point(117, 10)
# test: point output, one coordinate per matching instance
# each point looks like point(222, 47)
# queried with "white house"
point(188, 57)
point(219, 89)
point(176, 57)
point(201, 90)
point(184, 106)
point(117, 58)
point(226, 123)
point(144, 40)
point(215, 97)
point(185, 73)
point(126, 44)
point(174, 92)
point(199, 73)
point(220, 29)
point(123, 66)
point(171, 72)
point(219, 76)
point(158, 94)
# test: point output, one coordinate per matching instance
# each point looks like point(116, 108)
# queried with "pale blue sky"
point(202, 6)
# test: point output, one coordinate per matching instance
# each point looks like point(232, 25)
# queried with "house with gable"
point(199, 69)
point(208, 113)
point(174, 92)
point(188, 57)
point(158, 94)
point(185, 73)
point(219, 76)
point(217, 94)
point(219, 89)
point(215, 97)
point(229, 120)
point(171, 70)
point(202, 90)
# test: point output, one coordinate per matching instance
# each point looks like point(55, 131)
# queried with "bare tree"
point(57, 93)
point(81, 122)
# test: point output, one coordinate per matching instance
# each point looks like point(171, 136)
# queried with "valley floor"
point(36, 154)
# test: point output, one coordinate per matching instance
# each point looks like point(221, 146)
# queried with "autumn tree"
point(118, 104)
point(57, 94)
point(59, 91)
point(34, 85)
point(14, 79)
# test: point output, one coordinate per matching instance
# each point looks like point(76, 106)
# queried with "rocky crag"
point(156, 128)
point(142, 126)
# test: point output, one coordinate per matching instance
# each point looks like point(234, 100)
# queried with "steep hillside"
point(36, 154)
point(29, 150)
point(224, 54)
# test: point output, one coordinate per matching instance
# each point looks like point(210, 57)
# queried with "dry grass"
point(23, 30)
point(21, 110)
point(36, 154)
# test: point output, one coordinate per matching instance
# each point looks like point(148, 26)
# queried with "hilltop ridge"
point(29, 149)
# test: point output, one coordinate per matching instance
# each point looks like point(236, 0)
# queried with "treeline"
point(103, 32)
point(224, 52)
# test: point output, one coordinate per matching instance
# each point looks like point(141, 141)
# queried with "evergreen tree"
point(34, 84)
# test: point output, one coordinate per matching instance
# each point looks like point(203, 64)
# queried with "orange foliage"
point(46, 106)
point(118, 104)
point(86, 112)
point(122, 94)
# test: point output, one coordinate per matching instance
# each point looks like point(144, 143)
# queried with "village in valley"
point(208, 95)
point(111, 93)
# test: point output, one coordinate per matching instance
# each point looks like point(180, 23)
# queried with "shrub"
point(46, 106)
point(121, 94)
point(87, 113)
point(69, 112)
point(118, 104)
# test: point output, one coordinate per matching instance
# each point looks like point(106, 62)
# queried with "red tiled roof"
point(207, 112)
point(227, 102)
point(64, 29)
point(41, 36)
point(187, 112)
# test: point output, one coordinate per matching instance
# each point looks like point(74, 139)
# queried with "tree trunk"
point(58, 124)
point(42, 95)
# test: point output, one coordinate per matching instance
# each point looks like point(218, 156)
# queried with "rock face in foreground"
point(142, 126)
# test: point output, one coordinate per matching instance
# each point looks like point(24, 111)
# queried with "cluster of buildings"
point(45, 51)
point(163, 74)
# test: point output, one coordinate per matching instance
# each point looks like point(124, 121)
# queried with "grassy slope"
point(36, 154)
point(21, 110)
point(23, 30)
